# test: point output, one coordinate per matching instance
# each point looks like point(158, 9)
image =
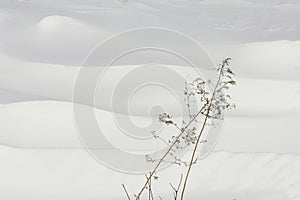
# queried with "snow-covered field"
point(43, 45)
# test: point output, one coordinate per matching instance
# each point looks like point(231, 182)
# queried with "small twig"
point(128, 197)
point(176, 190)
point(158, 137)
point(188, 99)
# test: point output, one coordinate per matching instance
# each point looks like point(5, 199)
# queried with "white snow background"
point(42, 45)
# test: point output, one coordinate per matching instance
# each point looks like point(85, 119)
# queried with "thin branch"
point(128, 197)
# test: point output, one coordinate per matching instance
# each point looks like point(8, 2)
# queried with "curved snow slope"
point(267, 99)
point(50, 124)
point(74, 175)
point(21, 80)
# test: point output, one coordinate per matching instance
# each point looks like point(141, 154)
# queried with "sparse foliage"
point(214, 102)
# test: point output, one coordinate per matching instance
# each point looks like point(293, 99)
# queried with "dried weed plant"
point(213, 103)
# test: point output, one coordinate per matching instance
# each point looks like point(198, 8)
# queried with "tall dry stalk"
point(213, 108)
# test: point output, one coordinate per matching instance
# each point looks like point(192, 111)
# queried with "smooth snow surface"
point(68, 174)
point(43, 45)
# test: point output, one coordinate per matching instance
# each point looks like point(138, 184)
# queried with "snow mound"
point(274, 59)
point(56, 23)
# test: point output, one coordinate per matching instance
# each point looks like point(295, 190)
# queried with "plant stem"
point(193, 155)
point(128, 197)
point(201, 131)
